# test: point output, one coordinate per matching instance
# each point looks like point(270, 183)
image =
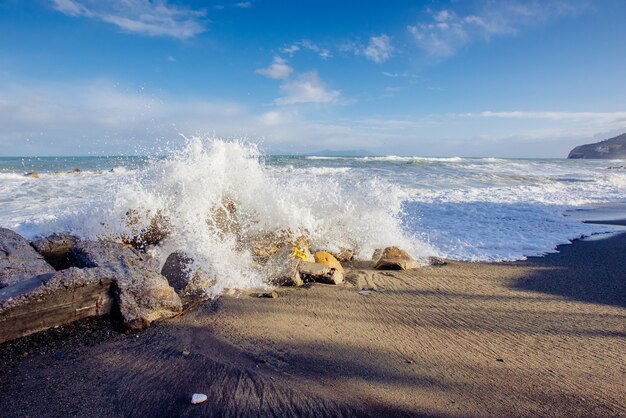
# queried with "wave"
point(208, 182)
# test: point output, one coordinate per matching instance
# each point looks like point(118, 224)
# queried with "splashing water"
point(215, 195)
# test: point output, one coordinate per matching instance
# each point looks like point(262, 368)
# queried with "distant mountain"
point(341, 153)
point(609, 149)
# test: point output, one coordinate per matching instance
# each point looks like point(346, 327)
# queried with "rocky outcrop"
point(609, 149)
point(105, 277)
point(394, 258)
point(18, 260)
point(57, 249)
point(143, 294)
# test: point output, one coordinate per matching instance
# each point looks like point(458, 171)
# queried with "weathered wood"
point(63, 299)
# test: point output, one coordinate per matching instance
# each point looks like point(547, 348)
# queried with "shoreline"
point(540, 337)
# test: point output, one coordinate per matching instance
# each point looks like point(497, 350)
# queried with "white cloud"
point(445, 32)
point(152, 18)
point(243, 4)
point(307, 88)
point(309, 46)
point(278, 69)
point(379, 49)
point(103, 118)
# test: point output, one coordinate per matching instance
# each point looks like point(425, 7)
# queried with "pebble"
point(198, 398)
point(271, 295)
point(365, 292)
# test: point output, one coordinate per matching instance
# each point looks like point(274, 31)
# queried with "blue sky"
point(441, 78)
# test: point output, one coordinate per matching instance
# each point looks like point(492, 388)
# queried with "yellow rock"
point(327, 259)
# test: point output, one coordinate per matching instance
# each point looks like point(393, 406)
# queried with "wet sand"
point(539, 338)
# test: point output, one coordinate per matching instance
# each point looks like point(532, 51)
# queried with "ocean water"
point(485, 209)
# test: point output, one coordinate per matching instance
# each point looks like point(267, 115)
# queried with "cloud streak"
point(445, 31)
point(150, 18)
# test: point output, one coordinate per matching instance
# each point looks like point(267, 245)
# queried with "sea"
point(472, 209)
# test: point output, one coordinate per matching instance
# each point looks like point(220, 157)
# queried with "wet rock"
point(437, 261)
point(143, 294)
point(282, 268)
point(32, 175)
point(145, 229)
point(327, 259)
point(320, 273)
point(344, 255)
point(198, 398)
point(177, 271)
point(57, 250)
point(394, 258)
point(18, 260)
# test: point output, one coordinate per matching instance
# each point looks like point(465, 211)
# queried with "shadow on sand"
point(587, 271)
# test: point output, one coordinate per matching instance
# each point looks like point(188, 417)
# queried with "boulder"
point(57, 250)
point(144, 296)
point(177, 271)
point(394, 258)
point(320, 273)
point(142, 293)
point(327, 259)
point(282, 268)
point(18, 260)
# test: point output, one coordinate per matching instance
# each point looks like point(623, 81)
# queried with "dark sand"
point(540, 338)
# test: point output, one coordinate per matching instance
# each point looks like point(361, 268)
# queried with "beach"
point(543, 337)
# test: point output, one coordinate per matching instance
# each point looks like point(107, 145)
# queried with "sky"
point(486, 78)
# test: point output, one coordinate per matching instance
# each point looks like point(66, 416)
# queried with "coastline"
point(541, 337)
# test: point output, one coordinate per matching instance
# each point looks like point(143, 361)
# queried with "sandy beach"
point(542, 337)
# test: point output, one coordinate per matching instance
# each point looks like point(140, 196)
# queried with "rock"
point(270, 295)
point(327, 259)
point(344, 255)
point(143, 295)
point(282, 268)
point(394, 258)
point(176, 270)
point(437, 261)
point(612, 149)
point(320, 273)
point(365, 292)
point(32, 174)
point(198, 398)
point(18, 260)
point(143, 232)
point(264, 245)
point(57, 250)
